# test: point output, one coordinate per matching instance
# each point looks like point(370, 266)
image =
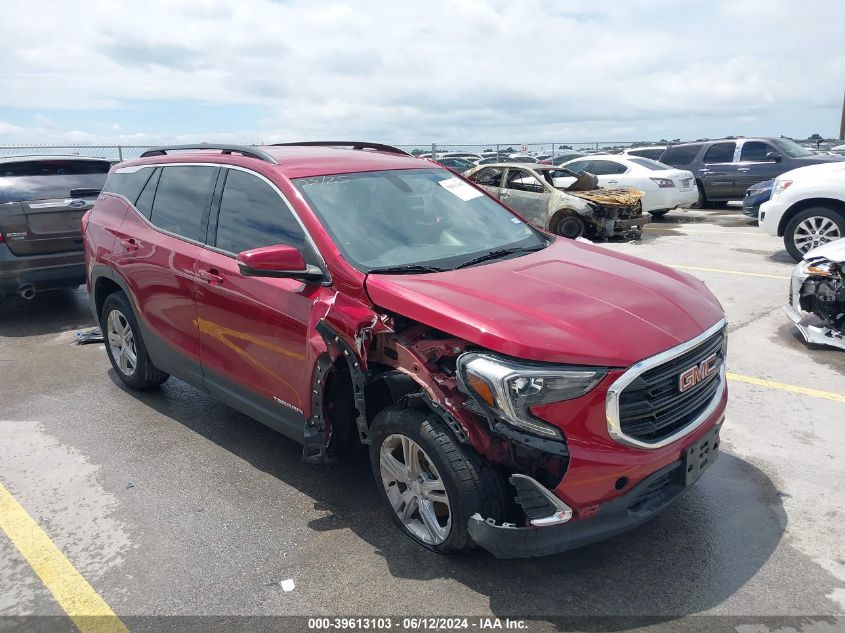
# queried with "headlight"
point(821, 268)
point(509, 389)
point(780, 186)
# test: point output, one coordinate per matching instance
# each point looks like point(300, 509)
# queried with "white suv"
point(807, 207)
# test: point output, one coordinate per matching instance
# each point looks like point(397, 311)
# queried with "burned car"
point(817, 295)
point(561, 201)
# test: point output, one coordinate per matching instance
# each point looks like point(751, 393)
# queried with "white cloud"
point(435, 70)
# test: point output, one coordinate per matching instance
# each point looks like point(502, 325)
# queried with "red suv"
point(515, 390)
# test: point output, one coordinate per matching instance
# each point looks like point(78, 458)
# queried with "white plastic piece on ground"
point(288, 586)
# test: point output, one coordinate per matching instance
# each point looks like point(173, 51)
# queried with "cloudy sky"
point(418, 71)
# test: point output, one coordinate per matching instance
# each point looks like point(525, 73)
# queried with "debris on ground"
point(86, 337)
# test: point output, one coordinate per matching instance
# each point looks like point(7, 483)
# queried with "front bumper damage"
point(624, 513)
point(553, 532)
point(812, 328)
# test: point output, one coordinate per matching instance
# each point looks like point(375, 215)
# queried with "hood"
point(572, 302)
point(832, 251)
point(815, 169)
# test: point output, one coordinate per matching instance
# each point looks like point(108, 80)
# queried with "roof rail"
point(380, 147)
point(246, 150)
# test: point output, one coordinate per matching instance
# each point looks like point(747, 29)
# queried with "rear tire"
point(432, 484)
point(811, 228)
point(702, 198)
point(125, 347)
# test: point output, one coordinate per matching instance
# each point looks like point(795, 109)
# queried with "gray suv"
point(42, 201)
point(725, 169)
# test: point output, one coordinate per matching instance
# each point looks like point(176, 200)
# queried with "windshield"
point(793, 149)
point(416, 216)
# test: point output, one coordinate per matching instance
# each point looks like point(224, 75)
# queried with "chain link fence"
point(117, 153)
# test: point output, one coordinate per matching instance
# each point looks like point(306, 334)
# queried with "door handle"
point(743, 168)
point(212, 276)
point(613, 182)
point(129, 245)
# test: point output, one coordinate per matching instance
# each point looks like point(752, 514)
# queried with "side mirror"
point(281, 261)
point(773, 156)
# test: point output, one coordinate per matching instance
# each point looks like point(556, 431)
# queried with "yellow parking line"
point(84, 606)
point(727, 272)
point(667, 229)
point(805, 391)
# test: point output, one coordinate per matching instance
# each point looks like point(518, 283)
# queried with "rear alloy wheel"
point(125, 347)
point(811, 228)
point(121, 342)
point(570, 226)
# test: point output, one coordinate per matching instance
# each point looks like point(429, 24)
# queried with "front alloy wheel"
point(414, 489)
point(811, 228)
point(815, 231)
point(431, 482)
point(122, 342)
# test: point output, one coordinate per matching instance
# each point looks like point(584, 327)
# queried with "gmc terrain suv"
point(42, 199)
point(515, 390)
point(725, 169)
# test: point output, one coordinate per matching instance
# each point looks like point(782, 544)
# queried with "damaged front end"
point(616, 212)
point(817, 300)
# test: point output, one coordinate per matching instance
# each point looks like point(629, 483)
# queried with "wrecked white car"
point(817, 295)
point(561, 201)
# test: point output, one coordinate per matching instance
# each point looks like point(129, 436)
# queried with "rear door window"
point(252, 214)
point(680, 155)
point(720, 153)
point(181, 198)
point(607, 168)
point(578, 166)
point(523, 180)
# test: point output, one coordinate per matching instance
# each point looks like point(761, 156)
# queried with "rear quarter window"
point(128, 183)
point(680, 155)
point(720, 153)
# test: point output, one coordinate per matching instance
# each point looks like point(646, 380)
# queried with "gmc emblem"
point(695, 374)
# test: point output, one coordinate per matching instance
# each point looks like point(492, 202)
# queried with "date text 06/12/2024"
point(415, 624)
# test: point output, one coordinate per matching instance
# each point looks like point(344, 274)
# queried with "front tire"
point(125, 347)
point(811, 228)
point(570, 225)
point(432, 484)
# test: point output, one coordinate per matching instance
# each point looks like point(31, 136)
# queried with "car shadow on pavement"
point(689, 559)
point(47, 312)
